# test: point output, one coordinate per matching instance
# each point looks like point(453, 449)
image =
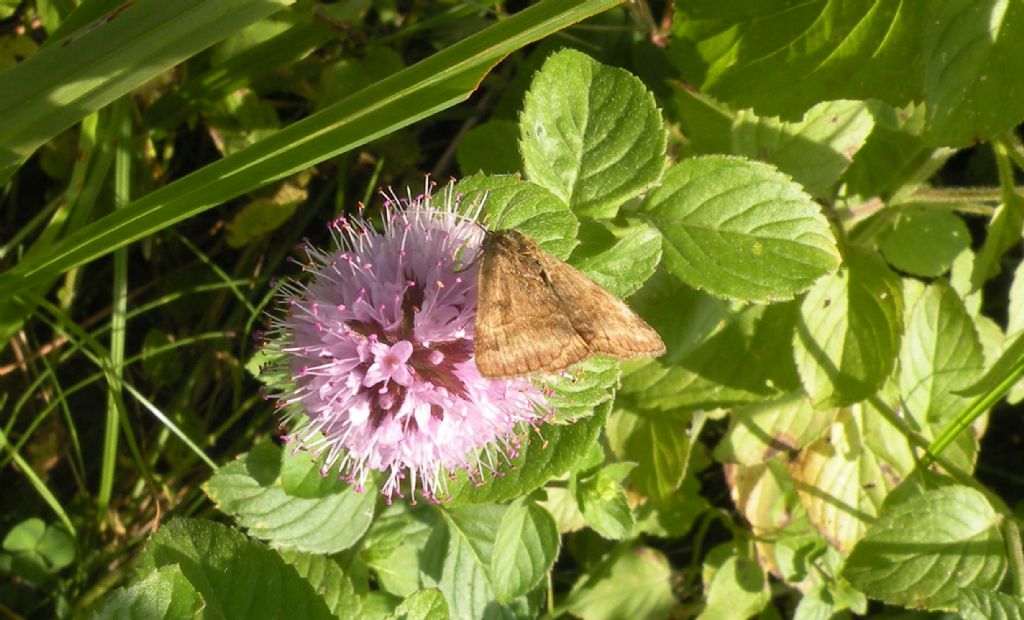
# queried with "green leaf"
point(631, 259)
point(539, 458)
point(433, 84)
point(458, 557)
point(490, 148)
point(674, 517)
point(393, 546)
point(734, 586)
point(424, 605)
point(740, 229)
point(848, 332)
point(1003, 233)
point(976, 604)
point(325, 516)
point(264, 215)
point(61, 84)
point(940, 357)
point(603, 502)
point(747, 361)
point(815, 151)
point(631, 583)
point(163, 593)
point(588, 384)
point(525, 549)
point(781, 59)
point(530, 209)
point(329, 581)
point(924, 551)
point(657, 443)
point(841, 482)
point(762, 431)
point(236, 576)
point(591, 134)
point(971, 87)
point(924, 241)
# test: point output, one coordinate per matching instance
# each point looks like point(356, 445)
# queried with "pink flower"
point(377, 351)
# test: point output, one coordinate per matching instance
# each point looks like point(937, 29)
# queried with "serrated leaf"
point(925, 241)
point(591, 134)
point(585, 386)
point(940, 357)
point(747, 361)
point(331, 583)
point(923, 551)
point(970, 85)
point(236, 576)
point(525, 549)
point(762, 431)
point(603, 502)
point(1003, 233)
point(328, 519)
point(841, 482)
point(424, 605)
point(674, 517)
point(530, 209)
point(848, 332)
point(457, 560)
point(539, 458)
point(490, 148)
point(814, 151)
point(781, 58)
point(976, 604)
point(632, 583)
point(735, 587)
point(163, 593)
point(622, 268)
point(393, 546)
point(657, 443)
point(740, 229)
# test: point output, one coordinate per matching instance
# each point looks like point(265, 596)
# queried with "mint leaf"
point(848, 332)
point(740, 229)
point(603, 502)
point(734, 586)
point(781, 59)
point(327, 519)
point(814, 151)
point(971, 85)
point(490, 148)
point(924, 551)
point(236, 576)
point(925, 241)
point(525, 548)
point(329, 580)
point(762, 431)
point(423, 605)
point(841, 482)
point(163, 593)
point(657, 443)
point(531, 209)
point(591, 134)
point(622, 268)
point(976, 604)
point(940, 357)
point(1003, 232)
point(541, 456)
point(631, 583)
point(749, 360)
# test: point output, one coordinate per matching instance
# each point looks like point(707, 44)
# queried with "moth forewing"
point(536, 313)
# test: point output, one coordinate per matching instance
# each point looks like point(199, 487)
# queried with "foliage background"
point(160, 161)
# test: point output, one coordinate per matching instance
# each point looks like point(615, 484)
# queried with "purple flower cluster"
point(377, 351)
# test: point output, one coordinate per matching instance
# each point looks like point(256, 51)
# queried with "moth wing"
point(521, 325)
point(603, 321)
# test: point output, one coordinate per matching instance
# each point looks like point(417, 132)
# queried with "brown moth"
point(536, 314)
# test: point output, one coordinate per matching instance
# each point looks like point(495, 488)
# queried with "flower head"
point(377, 352)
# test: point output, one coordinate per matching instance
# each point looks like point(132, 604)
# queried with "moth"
point(536, 314)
